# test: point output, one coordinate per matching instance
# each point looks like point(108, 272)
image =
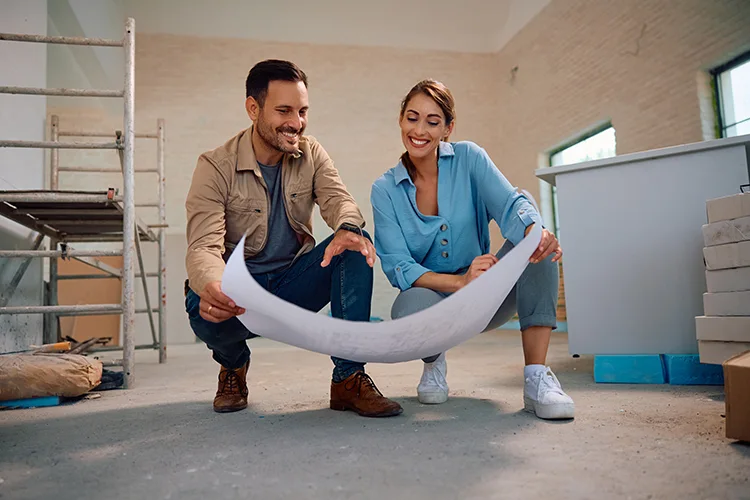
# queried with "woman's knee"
point(414, 300)
point(537, 290)
point(543, 274)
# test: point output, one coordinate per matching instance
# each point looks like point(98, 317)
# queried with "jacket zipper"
point(268, 209)
point(293, 196)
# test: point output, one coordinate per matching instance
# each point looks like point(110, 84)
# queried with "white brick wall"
point(579, 62)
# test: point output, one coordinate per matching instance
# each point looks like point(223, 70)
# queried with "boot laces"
point(230, 382)
point(362, 381)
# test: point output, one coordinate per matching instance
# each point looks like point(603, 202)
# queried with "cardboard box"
point(716, 352)
point(726, 304)
point(737, 396)
point(94, 291)
point(727, 329)
point(728, 207)
point(726, 231)
point(728, 280)
point(727, 256)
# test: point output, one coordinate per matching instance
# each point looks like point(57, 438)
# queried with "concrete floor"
point(161, 440)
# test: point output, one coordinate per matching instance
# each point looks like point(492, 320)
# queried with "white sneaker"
point(433, 388)
point(543, 395)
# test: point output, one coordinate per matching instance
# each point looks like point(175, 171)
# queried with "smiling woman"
point(432, 214)
point(418, 132)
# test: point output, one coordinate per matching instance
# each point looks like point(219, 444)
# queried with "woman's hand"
point(547, 246)
point(478, 266)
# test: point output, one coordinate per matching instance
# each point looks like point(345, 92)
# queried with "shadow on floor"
point(185, 450)
point(742, 448)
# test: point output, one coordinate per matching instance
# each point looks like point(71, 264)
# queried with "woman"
point(432, 214)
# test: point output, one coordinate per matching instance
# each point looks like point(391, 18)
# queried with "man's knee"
point(227, 332)
point(211, 333)
point(355, 256)
point(366, 235)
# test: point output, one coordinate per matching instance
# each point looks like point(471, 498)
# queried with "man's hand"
point(547, 245)
point(347, 240)
point(478, 266)
point(217, 307)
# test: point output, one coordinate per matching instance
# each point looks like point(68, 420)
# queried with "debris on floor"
point(110, 380)
point(51, 374)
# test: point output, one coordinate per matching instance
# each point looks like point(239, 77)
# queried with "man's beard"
point(274, 138)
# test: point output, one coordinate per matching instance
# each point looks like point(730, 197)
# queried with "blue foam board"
point(629, 369)
point(686, 369)
point(31, 402)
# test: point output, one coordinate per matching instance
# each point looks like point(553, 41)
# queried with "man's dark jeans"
point(346, 283)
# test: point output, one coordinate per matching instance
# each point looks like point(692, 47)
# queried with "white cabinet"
point(633, 244)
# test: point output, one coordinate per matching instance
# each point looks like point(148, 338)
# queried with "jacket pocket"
point(301, 204)
point(249, 216)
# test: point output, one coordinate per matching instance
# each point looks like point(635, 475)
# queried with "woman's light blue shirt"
point(471, 192)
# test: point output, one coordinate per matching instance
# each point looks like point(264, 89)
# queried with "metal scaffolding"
point(85, 216)
point(144, 233)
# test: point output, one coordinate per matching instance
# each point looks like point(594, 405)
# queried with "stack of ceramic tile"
point(724, 330)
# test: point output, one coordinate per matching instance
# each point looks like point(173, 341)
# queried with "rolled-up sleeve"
point(390, 243)
point(512, 211)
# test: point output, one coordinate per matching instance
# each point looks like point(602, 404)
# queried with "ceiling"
point(450, 25)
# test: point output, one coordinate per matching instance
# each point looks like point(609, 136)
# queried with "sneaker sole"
point(564, 411)
point(335, 405)
point(432, 398)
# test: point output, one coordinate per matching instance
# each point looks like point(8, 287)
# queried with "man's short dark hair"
point(256, 85)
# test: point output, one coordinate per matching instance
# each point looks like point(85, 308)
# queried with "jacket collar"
point(246, 155)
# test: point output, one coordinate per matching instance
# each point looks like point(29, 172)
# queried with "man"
point(264, 182)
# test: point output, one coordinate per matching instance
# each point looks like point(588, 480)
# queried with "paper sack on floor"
point(24, 376)
point(431, 331)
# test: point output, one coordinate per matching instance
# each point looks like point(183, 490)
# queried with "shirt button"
point(443, 242)
point(445, 254)
point(443, 227)
point(398, 269)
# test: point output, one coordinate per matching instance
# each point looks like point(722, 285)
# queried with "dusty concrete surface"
point(161, 440)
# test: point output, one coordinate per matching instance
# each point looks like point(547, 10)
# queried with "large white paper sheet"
point(452, 321)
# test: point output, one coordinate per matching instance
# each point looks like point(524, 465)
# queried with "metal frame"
point(132, 232)
point(144, 233)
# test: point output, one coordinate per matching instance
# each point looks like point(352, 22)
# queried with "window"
point(733, 96)
point(600, 143)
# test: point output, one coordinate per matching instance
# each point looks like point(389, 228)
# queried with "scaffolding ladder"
point(158, 327)
point(110, 216)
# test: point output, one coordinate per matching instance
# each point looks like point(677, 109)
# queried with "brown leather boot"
point(232, 392)
point(358, 393)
